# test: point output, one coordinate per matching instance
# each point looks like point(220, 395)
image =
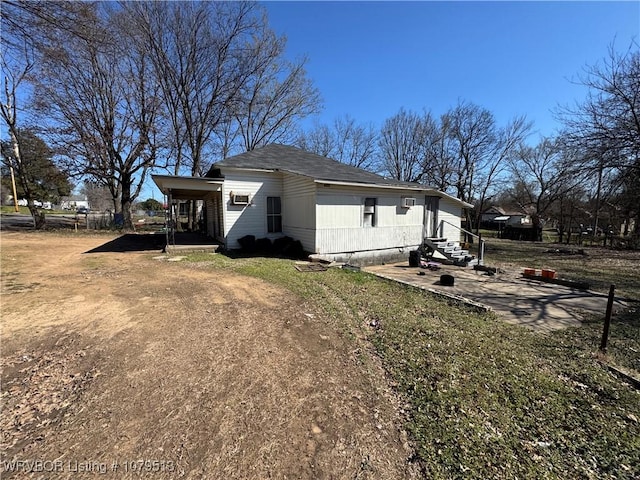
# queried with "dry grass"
point(482, 399)
point(600, 267)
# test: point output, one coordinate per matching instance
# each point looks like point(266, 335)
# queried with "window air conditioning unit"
point(239, 198)
point(369, 209)
point(408, 202)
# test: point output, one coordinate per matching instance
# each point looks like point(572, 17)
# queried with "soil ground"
point(118, 365)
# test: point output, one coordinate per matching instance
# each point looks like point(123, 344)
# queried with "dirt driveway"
point(532, 303)
point(116, 365)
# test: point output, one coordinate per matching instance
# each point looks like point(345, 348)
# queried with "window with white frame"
point(274, 215)
point(369, 218)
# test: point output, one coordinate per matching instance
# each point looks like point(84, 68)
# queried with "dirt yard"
point(120, 365)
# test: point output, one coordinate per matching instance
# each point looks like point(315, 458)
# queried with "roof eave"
point(369, 185)
point(414, 188)
point(167, 183)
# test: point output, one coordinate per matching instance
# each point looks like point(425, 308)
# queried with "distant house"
point(336, 211)
point(73, 201)
point(22, 202)
point(497, 218)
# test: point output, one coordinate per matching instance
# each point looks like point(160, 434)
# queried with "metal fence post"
point(607, 320)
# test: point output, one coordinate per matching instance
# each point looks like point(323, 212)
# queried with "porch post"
point(170, 238)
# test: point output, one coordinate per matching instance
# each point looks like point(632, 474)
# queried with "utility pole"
point(15, 193)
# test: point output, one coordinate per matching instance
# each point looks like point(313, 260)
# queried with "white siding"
point(298, 210)
point(214, 216)
point(241, 220)
point(329, 219)
point(450, 212)
point(340, 220)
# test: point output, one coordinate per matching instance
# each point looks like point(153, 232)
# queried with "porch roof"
point(187, 188)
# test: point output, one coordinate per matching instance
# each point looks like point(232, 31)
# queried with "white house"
point(336, 211)
point(74, 201)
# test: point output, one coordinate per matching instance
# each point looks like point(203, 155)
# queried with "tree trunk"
point(468, 238)
point(537, 228)
point(39, 220)
point(125, 203)
point(478, 215)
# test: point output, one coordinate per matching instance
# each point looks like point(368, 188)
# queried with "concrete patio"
point(535, 304)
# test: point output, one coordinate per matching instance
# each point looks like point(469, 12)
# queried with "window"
point(369, 219)
point(274, 215)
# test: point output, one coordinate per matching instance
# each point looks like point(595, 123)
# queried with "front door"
point(431, 207)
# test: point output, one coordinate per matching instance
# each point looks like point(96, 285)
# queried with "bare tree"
point(569, 210)
point(17, 62)
point(402, 146)
point(345, 141)
point(200, 57)
point(98, 196)
point(467, 153)
point(627, 199)
point(319, 140)
point(541, 178)
point(491, 168)
point(436, 168)
point(275, 95)
point(30, 21)
point(472, 133)
point(222, 77)
point(356, 145)
point(606, 125)
point(609, 118)
point(99, 90)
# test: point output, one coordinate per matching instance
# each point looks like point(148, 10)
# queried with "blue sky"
point(369, 59)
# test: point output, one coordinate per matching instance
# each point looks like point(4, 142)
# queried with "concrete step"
point(451, 251)
point(183, 249)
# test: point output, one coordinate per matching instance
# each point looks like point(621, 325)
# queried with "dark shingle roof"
point(294, 160)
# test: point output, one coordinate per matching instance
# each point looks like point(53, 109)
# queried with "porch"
point(206, 191)
point(191, 242)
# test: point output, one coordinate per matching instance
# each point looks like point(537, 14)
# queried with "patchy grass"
point(482, 399)
point(600, 267)
point(11, 209)
point(623, 347)
point(25, 210)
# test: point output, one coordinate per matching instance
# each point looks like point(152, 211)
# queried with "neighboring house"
point(336, 211)
point(74, 201)
point(498, 217)
point(22, 202)
point(491, 213)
